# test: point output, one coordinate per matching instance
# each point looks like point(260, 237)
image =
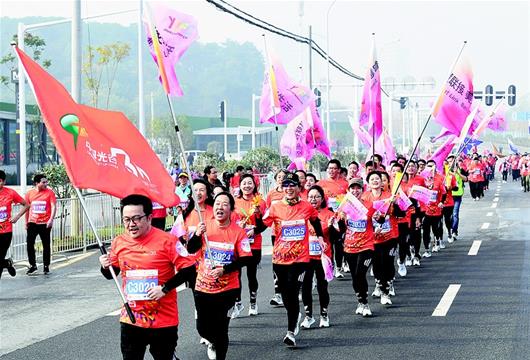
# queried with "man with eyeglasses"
point(147, 258)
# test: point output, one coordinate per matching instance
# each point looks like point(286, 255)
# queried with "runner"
point(461, 177)
point(359, 249)
point(310, 180)
point(302, 176)
point(417, 216)
point(476, 178)
point(159, 216)
point(249, 210)
point(147, 259)
point(183, 191)
point(451, 185)
point(433, 210)
point(353, 171)
point(218, 282)
point(8, 198)
point(317, 200)
point(290, 256)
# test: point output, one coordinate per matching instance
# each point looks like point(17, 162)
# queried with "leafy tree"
point(163, 138)
point(58, 180)
point(264, 159)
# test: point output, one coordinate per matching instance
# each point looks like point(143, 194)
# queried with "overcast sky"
point(415, 39)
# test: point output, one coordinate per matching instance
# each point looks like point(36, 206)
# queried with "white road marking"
point(447, 300)
point(494, 205)
point(489, 214)
point(496, 199)
point(474, 248)
point(485, 226)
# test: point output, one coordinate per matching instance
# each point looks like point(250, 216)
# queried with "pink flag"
point(173, 33)
point(382, 205)
point(385, 148)
point(443, 152)
point(371, 112)
point(467, 128)
point(454, 103)
point(403, 200)
point(498, 119)
point(327, 265)
point(353, 208)
point(292, 98)
point(178, 228)
point(361, 133)
point(422, 194)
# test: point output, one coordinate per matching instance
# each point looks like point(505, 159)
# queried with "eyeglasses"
point(135, 219)
point(289, 185)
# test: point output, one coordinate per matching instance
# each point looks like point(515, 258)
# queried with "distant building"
point(243, 134)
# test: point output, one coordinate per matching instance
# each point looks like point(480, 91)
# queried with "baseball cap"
point(291, 178)
point(184, 174)
point(356, 181)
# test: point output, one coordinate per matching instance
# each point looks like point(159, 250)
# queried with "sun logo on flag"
point(70, 123)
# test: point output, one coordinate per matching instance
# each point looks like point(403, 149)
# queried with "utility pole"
point(141, 111)
point(75, 37)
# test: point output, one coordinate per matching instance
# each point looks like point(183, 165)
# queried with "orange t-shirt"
point(8, 197)
point(449, 183)
point(245, 211)
point(40, 205)
point(360, 233)
point(333, 188)
point(390, 226)
point(273, 196)
point(315, 250)
point(227, 244)
point(476, 172)
point(437, 184)
point(146, 262)
point(291, 231)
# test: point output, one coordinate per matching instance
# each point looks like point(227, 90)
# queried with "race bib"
point(433, 196)
point(250, 238)
point(222, 254)
point(293, 230)
point(358, 226)
point(184, 204)
point(138, 283)
point(38, 207)
point(3, 213)
point(314, 246)
point(476, 172)
point(385, 227)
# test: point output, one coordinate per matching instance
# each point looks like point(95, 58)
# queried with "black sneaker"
point(46, 270)
point(31, 270)
point(10, 268)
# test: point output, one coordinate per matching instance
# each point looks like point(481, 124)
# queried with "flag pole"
point(373, 115)
point(272, 97)
point(103, 252)
point(188, 168)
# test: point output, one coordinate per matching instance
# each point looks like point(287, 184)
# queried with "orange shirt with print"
point(360, 233)
point(144, 262)
point(40, 205)
point(315, 250)
point(390, 226)
point(291, 230)
point(245, 213)
point(8, 197)
point(436, 184)
point(332, 189)
point(450, 184)
point(227, 244)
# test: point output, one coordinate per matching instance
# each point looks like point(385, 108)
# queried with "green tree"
point(58, 180)
point(264, 159)
point(163, 138)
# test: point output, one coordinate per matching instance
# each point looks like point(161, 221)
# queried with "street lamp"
point(327, 59)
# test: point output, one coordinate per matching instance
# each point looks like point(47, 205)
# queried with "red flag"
point(101, 150)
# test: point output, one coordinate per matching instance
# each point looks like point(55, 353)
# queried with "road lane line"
point(485, 226)
point(474, 248)
point(447, 300)
point(489, 214)
point(496, 199)
point(494, 205)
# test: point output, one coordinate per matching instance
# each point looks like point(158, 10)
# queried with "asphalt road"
point(65, 315)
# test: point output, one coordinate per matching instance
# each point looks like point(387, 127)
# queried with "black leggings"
point(5, 243)
point(504, 175)
point(289, 278)
point(447, 214)
point(384, 270)
point(338, 253)
point(134, 340)
point(404, 248)
point(315, 267)
point(252, 272)
point(213, 318)
point(359, 264)
point(415, 234)
point(433, 223)
point(44, 233)
point(274, 277)
point(475, 188)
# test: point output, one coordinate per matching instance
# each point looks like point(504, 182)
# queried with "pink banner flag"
point(467, 127)
point(364, 137)
point(281, 99)
point(498, 119)
point(443, 152)
point(353, 208)
point(327, 265)
point(178, 228)
point(403, 200)
point(371, 112)
point(422, 194)
point(454, 103)
point(382, 205)
point(173, 32)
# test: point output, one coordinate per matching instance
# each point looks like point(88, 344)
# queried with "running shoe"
point(450, 238)
point(253, 309)
point(427, 254)
point(289, 339)
point(203, 341)
point(324, 321)
point(402, 269)
point(436, 248)
point(276, 300)
point(442, 244)
point(308, 321)
point(385, 299)
point(31, 270)
point(391, 290)
point(366, 310)
point(10, 268)
point(408, 261)
point(377, 291)
point(415, 262)
point(360, 309)
point(212, 354)
point(455, 237)
point(236, 311)
point(339, 274)
point(345, 268)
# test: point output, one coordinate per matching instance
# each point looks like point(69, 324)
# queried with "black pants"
point(315, 268)
point(475, 188)
point(252, 276)
point(359, 264)
point(289, 278)
point(134, 340)
point(159, 223)
point(434, 224)
point(338, 253)
point(213, 318)
point(44, 233)
point(274, 276)
point(447, 214)
point(415, 234)
point(5, 243)
point(403, 240)
point(504, 175)
point(384, 270)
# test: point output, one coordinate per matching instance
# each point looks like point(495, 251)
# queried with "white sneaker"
point(426, 254)
point(366, 310)
point(212, 354)
point(276, 300)
point(402, 269)
point(455, 237)
point(435, 248)
point(236, 311)
point(391, 290)
point(442, 244)
point(408, 261)
point(289, 339)
point(385, 300)
point(203, 341)
point(324, 321)
point(345, 268)
point(415, 262)
point(253, 309)
point(360, 309)
point(308, 321)
point(297, 328)
point(450, 239)
point(339, 274)
point(377, 291)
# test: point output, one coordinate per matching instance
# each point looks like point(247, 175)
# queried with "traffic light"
point(318, 100)
point(511, 95)
point(402, 102)
point(222, 111)
point(489, 95)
